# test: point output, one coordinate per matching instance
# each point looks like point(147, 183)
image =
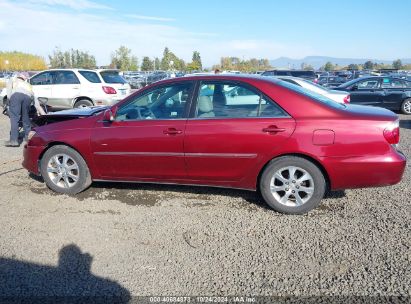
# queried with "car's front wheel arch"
point(52, 144)
point(64, 169)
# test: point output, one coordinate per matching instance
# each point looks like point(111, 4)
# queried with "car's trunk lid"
point(369, 112)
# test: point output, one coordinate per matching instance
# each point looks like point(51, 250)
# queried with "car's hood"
point(53, 117)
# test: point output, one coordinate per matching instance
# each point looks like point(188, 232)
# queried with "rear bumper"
point(31, 157)
point(365, 171)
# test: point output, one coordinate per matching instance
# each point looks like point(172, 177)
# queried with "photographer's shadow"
point(70, 282)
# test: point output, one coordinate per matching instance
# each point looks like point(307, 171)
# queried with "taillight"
point(392, 133)
point(347, 99)
point(109, 90)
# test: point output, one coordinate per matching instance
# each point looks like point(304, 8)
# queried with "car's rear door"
point(145, 141)
point(394, 92)
point(226, 140)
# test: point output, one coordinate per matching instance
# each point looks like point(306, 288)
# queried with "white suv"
point(74, 88)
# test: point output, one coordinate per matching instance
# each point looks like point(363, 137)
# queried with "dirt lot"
point(135, 239)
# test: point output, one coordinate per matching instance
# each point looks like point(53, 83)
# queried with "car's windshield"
point(112, 77)
point(311, 94)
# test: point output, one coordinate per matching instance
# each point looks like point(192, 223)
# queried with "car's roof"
point(288, 77)
point(107, 70)
point(67, 69)
point(232, 77)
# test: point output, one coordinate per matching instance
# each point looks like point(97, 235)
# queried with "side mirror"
point(108, 116)
point(354, 88)
point(43, 100)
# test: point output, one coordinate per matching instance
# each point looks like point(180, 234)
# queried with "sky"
point(377, 29)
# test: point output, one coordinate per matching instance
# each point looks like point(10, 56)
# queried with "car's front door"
point(227, 138)
point(42, 84)
point(145, 140)
point(367, 92)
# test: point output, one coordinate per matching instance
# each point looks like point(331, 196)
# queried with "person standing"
point(20, 94)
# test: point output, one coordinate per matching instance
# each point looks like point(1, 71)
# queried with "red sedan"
point(227, 131)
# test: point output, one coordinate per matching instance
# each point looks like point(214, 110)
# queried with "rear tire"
point(64, 170)
point(292, 185)
point(406, 106)
point(83, 103)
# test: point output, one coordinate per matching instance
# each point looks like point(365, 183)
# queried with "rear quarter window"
point(112, 77)
point(90, 76)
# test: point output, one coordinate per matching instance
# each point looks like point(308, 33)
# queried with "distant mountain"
point(318, 61)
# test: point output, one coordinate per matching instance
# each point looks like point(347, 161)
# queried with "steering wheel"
point(140, 113)
point(145, 113)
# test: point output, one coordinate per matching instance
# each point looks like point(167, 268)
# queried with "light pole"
point(6, 62)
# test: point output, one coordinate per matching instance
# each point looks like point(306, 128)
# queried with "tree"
point(171, 62)
point(147, 64)
point(196, 61)
point(123, 60)
point(353, 66)
point(72, 59)
point(157, 63)
point(397, 64)
point(165, 61)
point(306, 67)
point(251, 65)
point(328, 66)
point(368, 65)
point(19, 61)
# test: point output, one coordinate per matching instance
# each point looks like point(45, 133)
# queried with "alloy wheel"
point(407, 106)
point(292, 186)
point(63, 171)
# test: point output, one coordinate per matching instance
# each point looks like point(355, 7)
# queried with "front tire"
point(292, 185)
point(406, 106)
point(64, 170)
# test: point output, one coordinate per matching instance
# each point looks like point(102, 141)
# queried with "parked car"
point(74, 88)
point(337, 96)
point(292, 145)
point(309, 75)
point(331, 81)
point(156, 76)
point(387, 92)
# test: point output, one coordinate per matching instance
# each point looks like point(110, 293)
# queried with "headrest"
point(205, 104)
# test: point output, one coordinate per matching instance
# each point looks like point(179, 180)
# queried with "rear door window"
point(65, 77)
point(390, 83)
point(234, 100)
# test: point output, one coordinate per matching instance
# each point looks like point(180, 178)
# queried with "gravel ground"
point(134, 239)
